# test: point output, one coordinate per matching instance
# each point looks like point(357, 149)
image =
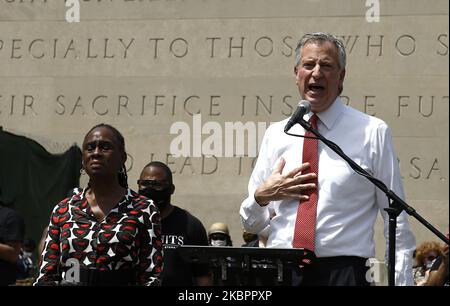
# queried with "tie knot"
point(313, 121)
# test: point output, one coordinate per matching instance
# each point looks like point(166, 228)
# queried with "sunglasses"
point(152, 183)
point(218, 236)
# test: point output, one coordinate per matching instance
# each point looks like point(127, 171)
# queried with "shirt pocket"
point(339, 179)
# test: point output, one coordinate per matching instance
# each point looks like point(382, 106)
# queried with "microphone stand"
point(396, 204)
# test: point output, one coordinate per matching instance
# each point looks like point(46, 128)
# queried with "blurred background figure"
point(26, 264)
point(12, 228)
point(438, 275)
point(256, 240)
point(426, 253)
point(250, 240)
point(179, 227)
point(226, 270)
point(219, 235)
point(264, 270)
point(40, 246)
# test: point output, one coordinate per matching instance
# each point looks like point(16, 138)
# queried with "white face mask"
point(216, 242)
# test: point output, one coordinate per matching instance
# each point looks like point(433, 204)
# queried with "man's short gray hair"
point(321, 37)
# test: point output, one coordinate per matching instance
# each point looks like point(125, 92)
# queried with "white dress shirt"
point(347, 203)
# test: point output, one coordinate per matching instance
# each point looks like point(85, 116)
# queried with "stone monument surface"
point(182, 76)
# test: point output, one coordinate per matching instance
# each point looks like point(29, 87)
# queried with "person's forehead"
point(326, 48)
point(153, 172)
point(100, 133)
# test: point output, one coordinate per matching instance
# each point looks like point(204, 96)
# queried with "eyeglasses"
point(152, 183)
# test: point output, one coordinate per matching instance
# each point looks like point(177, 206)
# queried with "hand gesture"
point(287, 186)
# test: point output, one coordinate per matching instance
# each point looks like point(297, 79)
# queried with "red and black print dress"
point(127, 240)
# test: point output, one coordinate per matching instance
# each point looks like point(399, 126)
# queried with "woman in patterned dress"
point(104, 234)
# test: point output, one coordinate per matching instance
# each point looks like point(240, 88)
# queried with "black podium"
point(246, 266)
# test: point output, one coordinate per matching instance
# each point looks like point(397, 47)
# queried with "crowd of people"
point(109, 234)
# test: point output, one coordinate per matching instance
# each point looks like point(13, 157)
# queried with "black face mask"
point(161, 198)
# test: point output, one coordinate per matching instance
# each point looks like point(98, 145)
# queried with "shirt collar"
point(329, 116)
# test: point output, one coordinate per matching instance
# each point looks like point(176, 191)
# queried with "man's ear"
point(295, 70)
point(342, 77)
point(172, 189)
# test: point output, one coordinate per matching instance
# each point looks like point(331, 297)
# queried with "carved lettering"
point(443, 42)
point(59, 101)
point(401, 103)
point(435, 167)
point(378, 45)
point(123, 103)
point(105, 50)
point(89, 55)
point(290, 48)
point(80, 105)
point(179, 47)
point(16, 46)
point(349, 42)
point(19, 105)
point(212, 106)
point(425, 168)
point(264, 46)
point(30, 48)
point(204, 165)
point(260, 101)
point(405, 45)
point(71, 48)
point(236, 46)
point(94, 102)
point(345, 100)
point(187, 162)
point(422, 107)
point(213, 41)
point(125, 46)
point(155, 52)
point(288, 105)
point(416, 168)
point(155, 111)
point(368, 105)
point(187, 101)
point(210, 168)
point(28, 103)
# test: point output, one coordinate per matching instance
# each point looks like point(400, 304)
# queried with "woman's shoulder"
point(73, 196)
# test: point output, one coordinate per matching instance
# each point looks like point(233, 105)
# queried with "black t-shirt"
point(181, 228)
point(12, 228)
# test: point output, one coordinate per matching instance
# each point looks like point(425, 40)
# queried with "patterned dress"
point(128, 239)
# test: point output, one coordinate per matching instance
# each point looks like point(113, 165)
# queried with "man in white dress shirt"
point(348, 203)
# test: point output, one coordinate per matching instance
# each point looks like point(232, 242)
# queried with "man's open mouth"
point(315, 87)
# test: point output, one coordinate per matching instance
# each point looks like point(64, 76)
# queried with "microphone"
point(303, 108)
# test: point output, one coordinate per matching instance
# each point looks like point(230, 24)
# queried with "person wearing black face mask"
point(159, 192)
point(179, 227)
